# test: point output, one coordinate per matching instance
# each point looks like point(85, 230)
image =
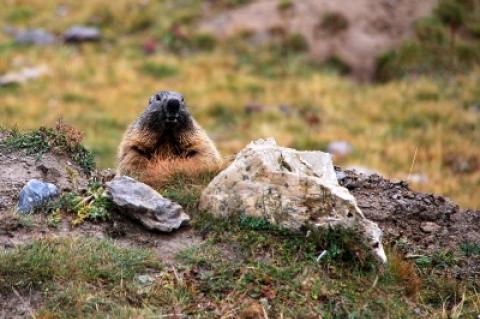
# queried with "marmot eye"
point(158, 97)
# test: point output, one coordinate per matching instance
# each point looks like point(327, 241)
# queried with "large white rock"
point(290, 188)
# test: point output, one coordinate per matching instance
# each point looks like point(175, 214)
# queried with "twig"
point(265, 315)
point(374, 283)
point(179, 280)
point(413, 256)
point(413, 163)
point(321, 255)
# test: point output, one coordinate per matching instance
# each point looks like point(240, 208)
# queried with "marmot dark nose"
point(173, 105)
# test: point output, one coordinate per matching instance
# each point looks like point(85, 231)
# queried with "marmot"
point(166, 139)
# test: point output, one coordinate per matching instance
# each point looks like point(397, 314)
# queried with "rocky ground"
point(420, 225)
point(423, 221)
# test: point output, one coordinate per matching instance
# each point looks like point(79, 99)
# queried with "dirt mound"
point(17, 167)
point(356, 32)
point(424, 223)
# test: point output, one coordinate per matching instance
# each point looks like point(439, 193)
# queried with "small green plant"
point(444, 259)
point(343, 245)
point(296, 43)
point(54, 218)
point(470, 249)
point(94, 205)
point(204, 41)
point(63, 139)
point(284, 5)
point(252, 223)
point(424, 262)
point(336, 64)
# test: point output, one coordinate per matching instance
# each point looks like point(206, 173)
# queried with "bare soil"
point(373, 26)
point(423, 222)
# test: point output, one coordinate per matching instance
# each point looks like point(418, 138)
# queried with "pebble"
point(78, 34)
point(340, 148)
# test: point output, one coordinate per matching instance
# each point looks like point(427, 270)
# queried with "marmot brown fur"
point(165, 139)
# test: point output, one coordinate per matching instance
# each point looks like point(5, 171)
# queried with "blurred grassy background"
point(239, 93)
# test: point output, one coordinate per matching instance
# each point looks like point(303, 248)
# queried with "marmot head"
point(166, 110)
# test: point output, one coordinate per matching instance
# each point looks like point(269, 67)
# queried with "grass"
point(76, 277)
point(245, 266)
point(186, 190)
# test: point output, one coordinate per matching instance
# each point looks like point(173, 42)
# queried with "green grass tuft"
point(186, 190)
point(62, 139)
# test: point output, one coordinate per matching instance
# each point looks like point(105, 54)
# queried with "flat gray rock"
point(142, 203)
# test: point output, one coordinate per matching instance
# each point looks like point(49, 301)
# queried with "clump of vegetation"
point(204, 41)
point(470, 249)
point(336, 64)
point(62, 139)
point(452, 13)
point(446, 42)
point(94, 205)
point(295, 42)
point(284, 5)
point(186, 190)
point(333, 23)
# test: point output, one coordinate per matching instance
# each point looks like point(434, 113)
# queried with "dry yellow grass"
point(101, 88)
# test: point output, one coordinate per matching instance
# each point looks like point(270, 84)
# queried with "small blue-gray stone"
point(34, 36)
point(79, 33)
point(34, 194)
